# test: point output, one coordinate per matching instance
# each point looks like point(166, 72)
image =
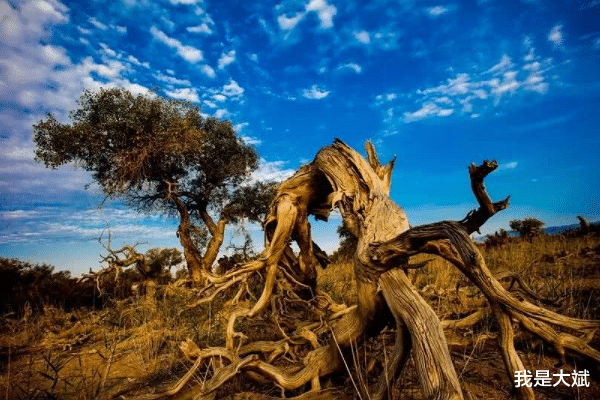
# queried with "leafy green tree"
point(527, 227)
point(161, 155)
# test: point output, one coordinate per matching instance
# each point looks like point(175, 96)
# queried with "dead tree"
point(149, 266)
point(316, 334)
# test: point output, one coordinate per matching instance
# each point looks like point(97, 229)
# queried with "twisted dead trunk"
point(340, 177)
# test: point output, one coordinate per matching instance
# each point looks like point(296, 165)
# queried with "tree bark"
point(193, 258)
point(435, 371)
point(217, 233)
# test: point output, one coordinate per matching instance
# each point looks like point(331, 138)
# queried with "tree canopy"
point(527, 226)
point(162, 155)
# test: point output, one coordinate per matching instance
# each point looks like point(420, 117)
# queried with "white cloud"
point(556, 35)
point(26, 20)
point(325, 11)
point(220, 113)
point(352, 66)
point(133, 60)
point(533, 66)
point(363, 37)
point(289, 23)
point(428, 109)
point(240, 127)
point(19, 214)
point(457, 86)
point(232, 89)
point(535, 83)
point(202, 28)
point(55, 55)
point(315, 93)
point(509, 83)
point(507, 166)
point(251, 140)
point(189, 94)
point(437, 10)
point(84, 31)
point(504, 63)
point(172, 80)
point(188, 53)
point(471, 91)
point(208, 71)
point(271, 171)
point(97, 24)
point(107, 50)
point(121, 29)
point(226, 59)
point(209, 103)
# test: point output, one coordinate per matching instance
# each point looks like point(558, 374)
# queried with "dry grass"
point(133, 345)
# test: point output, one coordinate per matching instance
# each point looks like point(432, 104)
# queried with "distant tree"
point(127, 267)
point(497, 238)
point(161, 155)
point(34, 286)
point(527, 227)
point(347, 247)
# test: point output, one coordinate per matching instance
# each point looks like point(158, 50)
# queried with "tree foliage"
point(347, 247)
point(527, 227)
point(26, 285)
point(161, 155)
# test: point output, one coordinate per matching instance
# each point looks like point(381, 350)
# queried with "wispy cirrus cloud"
point(315, 93)
point(429, 109)
point(188, 53)
point(251, 140)
point(508, 166)
point(171, 80)
point(472, 93)
point(356, 68)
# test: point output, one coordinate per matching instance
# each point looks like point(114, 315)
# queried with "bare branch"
point(476, 218)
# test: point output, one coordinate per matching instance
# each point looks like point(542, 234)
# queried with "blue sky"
point(439, 84)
